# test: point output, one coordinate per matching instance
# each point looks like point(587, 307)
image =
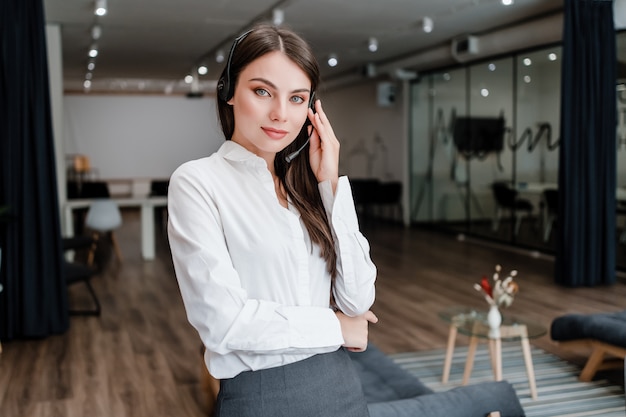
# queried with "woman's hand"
point(324, 147)
point(355, 330)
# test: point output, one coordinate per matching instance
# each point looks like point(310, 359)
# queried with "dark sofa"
point(603, 333)
point(393, 392)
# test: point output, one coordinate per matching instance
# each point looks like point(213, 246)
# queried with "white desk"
point(539, 187)
point(147, 205)
point(536, 187)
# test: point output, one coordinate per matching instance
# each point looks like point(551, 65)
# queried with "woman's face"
point(270, 104)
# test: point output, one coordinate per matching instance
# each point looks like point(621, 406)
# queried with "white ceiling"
point(150, 44)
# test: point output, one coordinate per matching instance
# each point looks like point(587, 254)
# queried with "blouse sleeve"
point(217, 305)
point(356, 273)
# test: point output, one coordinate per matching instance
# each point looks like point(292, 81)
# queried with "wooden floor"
point(141, 357)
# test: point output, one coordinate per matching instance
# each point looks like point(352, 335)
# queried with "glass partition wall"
point(485, 149)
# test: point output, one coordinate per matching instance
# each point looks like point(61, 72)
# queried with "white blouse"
point(254, 287)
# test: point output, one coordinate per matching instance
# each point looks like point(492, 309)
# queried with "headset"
point(226, 90)
point(225, 87)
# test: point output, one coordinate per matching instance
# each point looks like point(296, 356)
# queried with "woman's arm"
point(353, 288)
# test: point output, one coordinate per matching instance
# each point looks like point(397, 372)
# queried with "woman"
point(273, 270)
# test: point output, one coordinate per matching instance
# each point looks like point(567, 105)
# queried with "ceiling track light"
point(101, 8)
point(278, 16)
point(332, 60)
point(219, 56)
point(427, 24)
point(93, 51)
point(507, 2)
point(96, 32)
point(372, 44)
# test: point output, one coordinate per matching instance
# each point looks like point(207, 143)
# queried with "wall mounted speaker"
point(386, 94)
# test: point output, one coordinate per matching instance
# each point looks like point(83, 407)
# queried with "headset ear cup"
point(223, 89)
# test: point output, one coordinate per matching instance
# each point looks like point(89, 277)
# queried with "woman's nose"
point(278, 110)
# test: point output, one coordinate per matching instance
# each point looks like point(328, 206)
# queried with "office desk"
point(539, 187)
point(147, 205)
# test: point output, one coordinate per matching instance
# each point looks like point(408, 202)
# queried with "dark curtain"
point(34, 300)
point(587, 165)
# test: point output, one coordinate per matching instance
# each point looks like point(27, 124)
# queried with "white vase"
point(494, 320)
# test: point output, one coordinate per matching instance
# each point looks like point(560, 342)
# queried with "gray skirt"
point(322, 385)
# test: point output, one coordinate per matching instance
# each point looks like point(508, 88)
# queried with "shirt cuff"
point(339, 206)
point(312, 328)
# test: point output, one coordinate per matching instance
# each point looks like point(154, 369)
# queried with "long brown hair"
point(296, 177)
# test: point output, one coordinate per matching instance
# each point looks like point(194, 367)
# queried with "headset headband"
point(225, 87)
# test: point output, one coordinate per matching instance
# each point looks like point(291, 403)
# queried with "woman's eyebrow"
point(271, 84)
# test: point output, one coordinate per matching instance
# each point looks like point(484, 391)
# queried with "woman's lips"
point(274, 133)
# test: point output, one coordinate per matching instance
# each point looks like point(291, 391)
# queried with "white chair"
point(104, 217)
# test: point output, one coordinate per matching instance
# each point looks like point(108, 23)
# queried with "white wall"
point(139, 136)
point(372, 137)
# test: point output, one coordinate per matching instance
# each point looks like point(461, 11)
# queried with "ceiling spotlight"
point(91, 65)
point(527, 62)
point(88, 76)
point(552, 56)
point(202, 70)
point(87, 84)
point(96, 32)
point(492, 67)
point(372, 45)
point(101, 7)
point(427, 24)
point(278, 17)
point(332, 60)
point(93, 51)
point(219, 56)
point(507, 2)
point(188, 79)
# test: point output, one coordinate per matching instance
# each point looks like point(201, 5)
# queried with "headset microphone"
point(293, 155)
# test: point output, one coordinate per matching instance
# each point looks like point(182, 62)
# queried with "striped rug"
point(559, 391)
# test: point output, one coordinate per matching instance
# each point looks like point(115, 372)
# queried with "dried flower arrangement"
point(502, 292)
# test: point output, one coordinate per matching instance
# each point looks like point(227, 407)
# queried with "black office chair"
point(94, 189)
point(506, 199)
point(159, 188)
point(364, 193)
point(390, 195)
point(76, 272)
point(550, 209)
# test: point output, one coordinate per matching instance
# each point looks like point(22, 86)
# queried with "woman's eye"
point(261, 92)
point(297, 99)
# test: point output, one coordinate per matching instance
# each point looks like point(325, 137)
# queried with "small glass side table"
point(472, 322)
